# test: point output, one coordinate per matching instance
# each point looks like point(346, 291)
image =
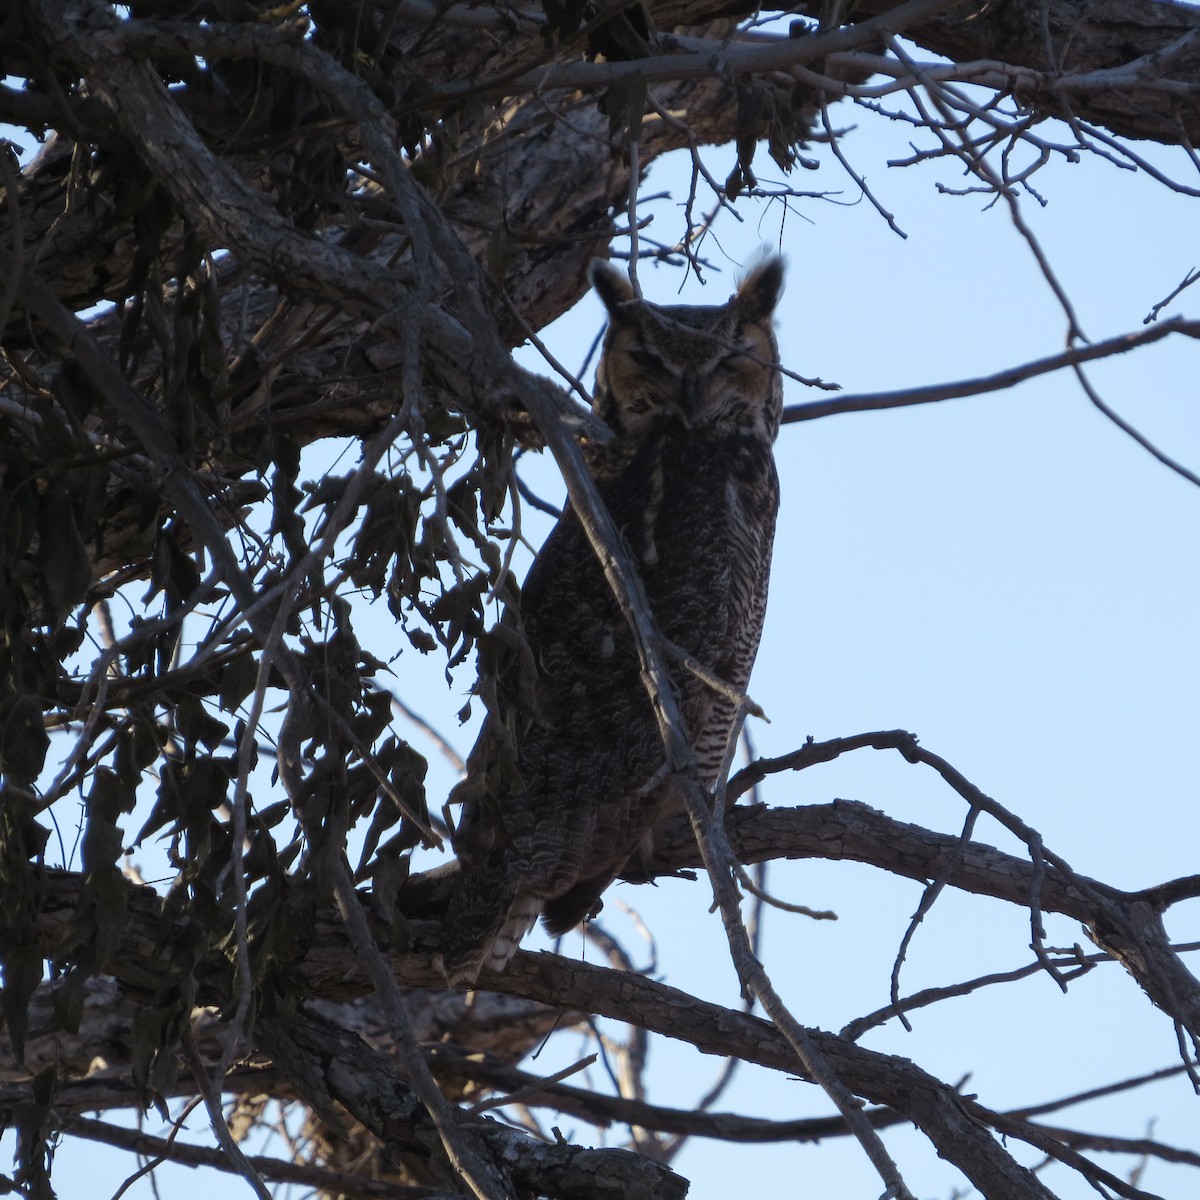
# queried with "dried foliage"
point(251, 227)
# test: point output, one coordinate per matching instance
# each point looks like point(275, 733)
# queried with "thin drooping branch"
point(233, 1153)
point(1131, 431)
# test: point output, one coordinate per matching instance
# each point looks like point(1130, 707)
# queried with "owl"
point(565, 784)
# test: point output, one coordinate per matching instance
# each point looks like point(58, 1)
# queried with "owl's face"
point(702, 367)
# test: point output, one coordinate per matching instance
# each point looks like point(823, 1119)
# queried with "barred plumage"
point(557, 802)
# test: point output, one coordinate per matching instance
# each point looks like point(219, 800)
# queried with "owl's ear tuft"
point(759, 292)
point(612, 286)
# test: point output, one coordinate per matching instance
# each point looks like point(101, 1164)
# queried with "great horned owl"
point(562, 792)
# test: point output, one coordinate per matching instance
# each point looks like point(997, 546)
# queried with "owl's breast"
point(717, 492)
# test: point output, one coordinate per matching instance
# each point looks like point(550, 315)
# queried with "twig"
point(1096, 1093)
point(1191, 277)
point(634, 181)
point(812, 754)
point(164, 1154)
point(216, 1118)
point(531, 497)
point(928, 996)
point(533, 1088)
point(928, 897)
point(757, 891)
point(442, 743)
point(631, 1054)
point(243, 1012)
point(1125, 427)
point(858, 179)
point(713, 680)
point(544, 350)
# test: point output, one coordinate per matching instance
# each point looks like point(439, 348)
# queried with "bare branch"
point(212, 1102)
point(934, 393)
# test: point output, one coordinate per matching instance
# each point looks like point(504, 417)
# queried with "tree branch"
point(998, 381)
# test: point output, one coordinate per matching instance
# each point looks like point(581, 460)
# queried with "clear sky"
point(1008, 576)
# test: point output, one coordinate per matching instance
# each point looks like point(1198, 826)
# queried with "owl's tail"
point(579, 902)
point(487, 917)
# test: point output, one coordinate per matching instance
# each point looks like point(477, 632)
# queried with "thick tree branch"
point(1105, 36)
point(343, 1068)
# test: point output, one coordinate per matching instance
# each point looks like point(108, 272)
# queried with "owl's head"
point(706, 367)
